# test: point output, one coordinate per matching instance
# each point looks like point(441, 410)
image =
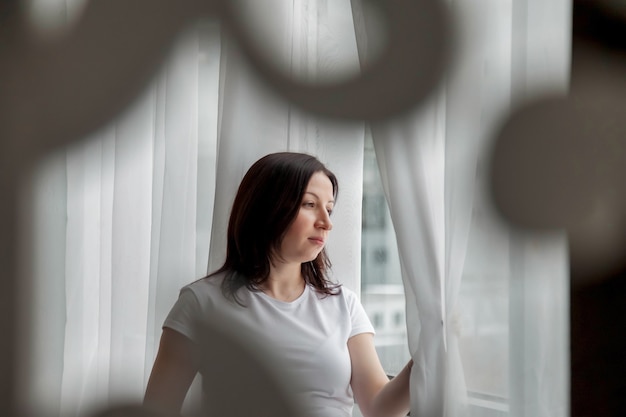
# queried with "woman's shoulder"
point(347, 294)
point(342, 295)
point(208, 284)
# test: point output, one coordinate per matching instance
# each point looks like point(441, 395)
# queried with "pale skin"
point(376, 395)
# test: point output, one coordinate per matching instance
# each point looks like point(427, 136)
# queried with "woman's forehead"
point(320, 186)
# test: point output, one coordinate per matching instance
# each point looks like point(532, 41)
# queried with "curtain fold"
point(174, 184)
point(411, 156)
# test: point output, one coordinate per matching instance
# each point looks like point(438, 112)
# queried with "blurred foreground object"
point(560, 164)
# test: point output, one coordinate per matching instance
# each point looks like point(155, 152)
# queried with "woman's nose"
point(324, 221)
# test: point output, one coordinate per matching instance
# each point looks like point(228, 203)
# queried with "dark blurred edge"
point(8, 237)
point(598, 310)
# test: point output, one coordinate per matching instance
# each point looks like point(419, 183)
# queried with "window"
point(398, 319)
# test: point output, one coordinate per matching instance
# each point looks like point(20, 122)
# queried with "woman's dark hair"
point(266, 204)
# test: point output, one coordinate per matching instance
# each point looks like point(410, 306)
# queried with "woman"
point(275, 277)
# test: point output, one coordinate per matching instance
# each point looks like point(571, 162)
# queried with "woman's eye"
point(309, 204)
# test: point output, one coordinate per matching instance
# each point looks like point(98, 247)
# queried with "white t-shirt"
point(310, 334)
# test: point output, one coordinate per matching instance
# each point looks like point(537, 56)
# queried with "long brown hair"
point(266, 204)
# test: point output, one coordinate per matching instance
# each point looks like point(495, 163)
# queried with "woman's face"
point(307, 235)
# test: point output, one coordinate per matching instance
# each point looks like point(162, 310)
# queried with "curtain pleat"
point(173, 248)
point(209, 50)
point(132, 224)
point(158, 191)
point(410, 159)
point(49, 199)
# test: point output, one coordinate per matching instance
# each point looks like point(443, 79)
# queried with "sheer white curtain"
point(431, 163)
point(128, 230)
point(126, 218)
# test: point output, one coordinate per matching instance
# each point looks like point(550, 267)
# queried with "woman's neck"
point(285, 282)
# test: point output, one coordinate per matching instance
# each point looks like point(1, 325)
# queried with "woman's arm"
point(375, 394)
point(172, 373)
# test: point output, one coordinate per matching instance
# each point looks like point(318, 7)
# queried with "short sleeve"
point(360, 322)
point(184, 313)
